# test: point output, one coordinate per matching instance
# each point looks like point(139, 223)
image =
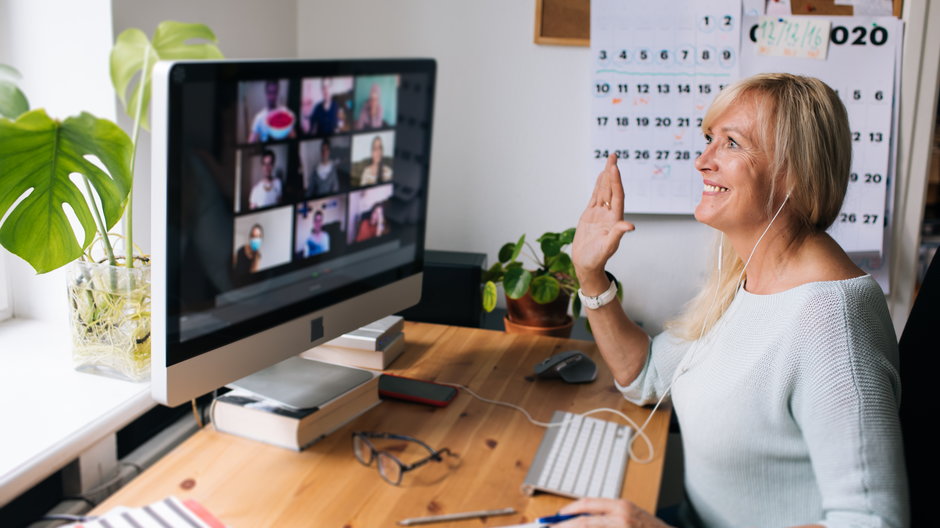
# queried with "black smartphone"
point(413, 390)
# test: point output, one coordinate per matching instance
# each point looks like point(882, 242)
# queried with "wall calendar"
point(658, 65)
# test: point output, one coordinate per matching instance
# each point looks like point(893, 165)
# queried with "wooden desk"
point(249, 484)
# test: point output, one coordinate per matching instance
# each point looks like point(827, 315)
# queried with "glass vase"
point(109, 308)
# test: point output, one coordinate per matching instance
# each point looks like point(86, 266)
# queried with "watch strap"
point(594, 303)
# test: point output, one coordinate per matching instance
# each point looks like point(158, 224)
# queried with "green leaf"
point(545, 289)
point(38, 154)
point(13, 102)
point(518, 249)
point(494, 274)
point(489, 296)
point(505, 252)
point(516, 282)
point(560, 263)
point(567, 236)
point(547, 236)
point(576, 306)
point(550, 247)
point(132, 51)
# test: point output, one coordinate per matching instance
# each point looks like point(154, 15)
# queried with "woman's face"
point(735, 171)
point(376, 151)
point(324, 152)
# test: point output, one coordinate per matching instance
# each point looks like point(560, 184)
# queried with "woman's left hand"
point(608, 513)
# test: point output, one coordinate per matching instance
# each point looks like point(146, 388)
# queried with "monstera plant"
point(64, 184)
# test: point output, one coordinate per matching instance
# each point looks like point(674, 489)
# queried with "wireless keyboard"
point(583, 457)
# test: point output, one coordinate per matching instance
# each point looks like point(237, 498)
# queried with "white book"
point(357, 357)
point(373, 336)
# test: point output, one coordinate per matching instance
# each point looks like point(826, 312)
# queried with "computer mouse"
point(571, 366)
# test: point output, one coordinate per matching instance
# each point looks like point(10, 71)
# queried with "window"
point(6, 307)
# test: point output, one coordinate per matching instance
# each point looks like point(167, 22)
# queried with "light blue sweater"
point(789, 409)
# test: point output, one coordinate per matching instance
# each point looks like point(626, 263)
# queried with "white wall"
point(511, 139)
point(61, 48)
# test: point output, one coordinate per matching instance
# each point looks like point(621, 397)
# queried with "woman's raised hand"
point(600, 229)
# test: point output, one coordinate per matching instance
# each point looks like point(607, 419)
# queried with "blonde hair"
point(807, 140)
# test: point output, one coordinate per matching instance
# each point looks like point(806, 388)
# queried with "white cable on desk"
point(639, 431)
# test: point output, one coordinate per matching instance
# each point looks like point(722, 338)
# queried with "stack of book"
point(343, 394)
point(373, 346)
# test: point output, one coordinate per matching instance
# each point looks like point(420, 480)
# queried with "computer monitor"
point(289, 202)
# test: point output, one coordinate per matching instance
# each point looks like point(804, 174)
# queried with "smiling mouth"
point(715, 188)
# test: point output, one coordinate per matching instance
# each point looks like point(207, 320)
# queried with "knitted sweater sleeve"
point(846, 392)
point(665, 353)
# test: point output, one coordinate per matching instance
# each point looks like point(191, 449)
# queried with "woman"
point(376, 171)
point(783, 371)
point(373, 224)
point(371, 114)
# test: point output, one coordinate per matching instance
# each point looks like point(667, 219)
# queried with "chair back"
point(918, 349)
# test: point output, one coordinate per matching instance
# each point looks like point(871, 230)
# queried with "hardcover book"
point(244, 414)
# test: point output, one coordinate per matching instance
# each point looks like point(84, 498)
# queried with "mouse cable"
point(639, 431)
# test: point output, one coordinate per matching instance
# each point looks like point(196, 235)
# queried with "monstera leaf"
point(38, 155)
point(134, 55)
point(12, 101)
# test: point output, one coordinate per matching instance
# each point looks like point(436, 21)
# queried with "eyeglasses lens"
point(389, 468)
point(362, 449)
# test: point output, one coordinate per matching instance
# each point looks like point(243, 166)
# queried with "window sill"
point(51, 412)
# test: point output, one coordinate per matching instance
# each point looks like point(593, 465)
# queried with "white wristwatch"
point(596, 302)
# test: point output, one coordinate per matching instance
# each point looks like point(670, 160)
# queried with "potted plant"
point(537, 300)
point(84, 165)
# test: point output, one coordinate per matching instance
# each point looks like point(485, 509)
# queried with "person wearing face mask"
point(783, 371)
point(248, 257)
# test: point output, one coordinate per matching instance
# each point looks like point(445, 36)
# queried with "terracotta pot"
point(527, 316)
point(563, 330)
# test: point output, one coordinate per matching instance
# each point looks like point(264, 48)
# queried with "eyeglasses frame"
point(434, 455)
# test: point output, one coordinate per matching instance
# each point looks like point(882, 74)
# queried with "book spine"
point(231, 416)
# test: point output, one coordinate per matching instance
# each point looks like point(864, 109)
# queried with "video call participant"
point(376, 171)
point(370, 115)
point(261, 129)
point(248, 257)
point(324, 119)
point(267, 191)
point(784, 369)
point(373, 224)
point(323, 179)
point(319, 240)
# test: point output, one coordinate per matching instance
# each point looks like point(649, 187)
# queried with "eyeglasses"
point(390, 468)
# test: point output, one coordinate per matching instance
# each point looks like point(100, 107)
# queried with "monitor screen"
point(289, 202)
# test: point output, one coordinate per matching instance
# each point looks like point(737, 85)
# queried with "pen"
point(543, 522)
point(456, 516)
point(552, 519)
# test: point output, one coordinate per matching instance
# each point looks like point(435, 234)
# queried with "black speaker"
point(451, 292)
